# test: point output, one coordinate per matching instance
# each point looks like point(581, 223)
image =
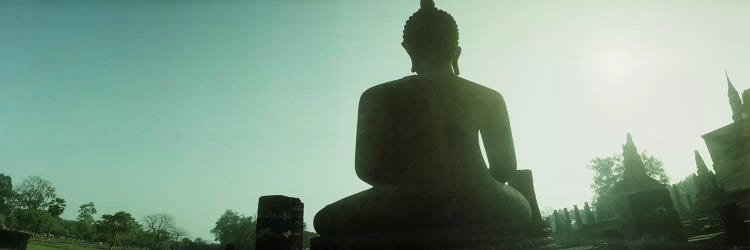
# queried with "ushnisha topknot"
point(430, 31)
point(427, 4)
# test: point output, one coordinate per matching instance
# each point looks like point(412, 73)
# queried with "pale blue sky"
point(194, 107)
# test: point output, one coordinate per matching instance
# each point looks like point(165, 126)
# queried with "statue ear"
point(413, 67)
point(455, 60)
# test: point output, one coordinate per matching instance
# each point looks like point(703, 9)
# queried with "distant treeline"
point(34, 207)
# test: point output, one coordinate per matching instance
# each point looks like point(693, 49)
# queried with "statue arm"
point(498, 140)
point(369, 157)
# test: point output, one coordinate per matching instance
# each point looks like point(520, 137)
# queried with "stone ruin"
point(13, 240)
point(729, 147)
point(280, 223)
point(638, 198)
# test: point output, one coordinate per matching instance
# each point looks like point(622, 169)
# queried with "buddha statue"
point(418, 145)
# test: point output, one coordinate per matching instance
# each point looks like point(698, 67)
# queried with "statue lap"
point(388, 209)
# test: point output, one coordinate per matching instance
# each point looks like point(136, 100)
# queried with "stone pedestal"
point(13, 240)
point(280, 223)
point(534, 235)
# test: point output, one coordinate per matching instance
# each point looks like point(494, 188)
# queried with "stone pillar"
point(523, 181)
point(558, 222)
point(590, 218)
point(13, 240)
point(566, 216)
point(577, 215)
point(280, 223)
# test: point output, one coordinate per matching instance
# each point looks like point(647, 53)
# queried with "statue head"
point(431, 39)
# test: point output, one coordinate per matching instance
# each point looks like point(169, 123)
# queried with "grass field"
point(39, 245)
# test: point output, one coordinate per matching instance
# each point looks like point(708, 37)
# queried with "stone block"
point(280, 223)
point(13, 240)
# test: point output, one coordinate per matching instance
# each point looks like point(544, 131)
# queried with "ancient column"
point(280, 223)
point(566, 217)
point(577, 215)
point(590, 218)
point(560, 222)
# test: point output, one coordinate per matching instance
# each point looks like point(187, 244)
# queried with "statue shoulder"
point(385, 89)
point(483, 92)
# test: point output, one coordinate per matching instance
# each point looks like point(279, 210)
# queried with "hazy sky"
point(191, 108)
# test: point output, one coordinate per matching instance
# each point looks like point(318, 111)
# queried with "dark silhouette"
point(280, 223)
point(13, 240)
point(418, 146)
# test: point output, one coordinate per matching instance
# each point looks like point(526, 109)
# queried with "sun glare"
point(616, 62)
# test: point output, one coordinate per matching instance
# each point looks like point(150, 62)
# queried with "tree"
point(38, 221)
point(86, 212)
point(177, 233)
point(198, 244)
point(85, 223)
point(234, 228)
point(6, 194)
point(137, 237)
point(610, 170)
point(112, 226)
point(56, 207)
point(35, 193)
point(70, 228)
point(306, 236)
point(158, 227)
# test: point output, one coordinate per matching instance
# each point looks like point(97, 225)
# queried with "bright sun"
point(616, 62)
